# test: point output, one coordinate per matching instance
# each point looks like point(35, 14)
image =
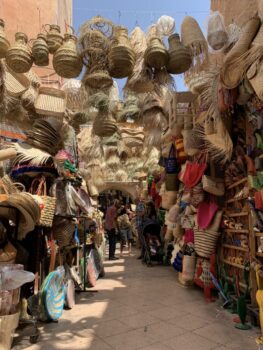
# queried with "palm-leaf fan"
point(239, 58)
point(29, 154)
point(141, 77)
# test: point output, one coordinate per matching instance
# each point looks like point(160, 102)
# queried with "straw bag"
point(188, 272)
point(54, 38)
point(213, 185)
point(47, 203)
point(4, 43)
point(205, 242)
point(156, 55)
point(15, 84)
point(51, 102)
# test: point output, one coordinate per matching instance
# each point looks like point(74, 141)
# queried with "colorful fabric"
point(110, 219)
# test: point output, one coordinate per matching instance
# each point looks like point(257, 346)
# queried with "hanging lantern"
point(66, 62)
point(4, 43)
point(40, 50)
point(121, 55)
point(179, 56)
point(54, 38)
point(19, 56)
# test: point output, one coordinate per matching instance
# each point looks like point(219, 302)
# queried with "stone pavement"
point(139, 307)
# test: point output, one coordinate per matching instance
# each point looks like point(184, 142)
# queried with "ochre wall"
point(29, 16)
point(238, 10)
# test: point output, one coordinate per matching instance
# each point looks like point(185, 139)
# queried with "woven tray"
point(51, 101)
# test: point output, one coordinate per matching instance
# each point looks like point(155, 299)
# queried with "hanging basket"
point(54, 38)
point(40, 50)
point(179, 56)
point(121, 55)
point(98, 79)
point(156, 55)
point(104, 125)
point(15, 84)
point(66, 62)
point(51, 101)
point(19, 56)
point(4, 43)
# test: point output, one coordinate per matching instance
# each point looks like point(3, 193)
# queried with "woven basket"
point(216, 32)
point(66, 61)
point(28, 98)
point(205, 242)
point(51, 101)
point(54, 38)
point(15, 84)
point(104, 125)
point(156, 55)
point(179, 56)
point(4, 43)
point(40, 50)
point(98, 79)
point(121, 55)
point(19, 56)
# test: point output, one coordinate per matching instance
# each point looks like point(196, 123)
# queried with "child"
point(124, 226)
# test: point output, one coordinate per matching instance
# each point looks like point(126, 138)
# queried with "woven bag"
point(205, 242)
point(179, 56)
point(40, 50)
point(51, 102)
point(213, 185)
point(171, 161)
point(48, 206)
point(54, 38)
point(19, 56)
point(216, 31)
point(188, 272)
point(156, 55)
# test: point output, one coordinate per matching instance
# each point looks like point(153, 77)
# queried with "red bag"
point(258, 200)
point(194, 171)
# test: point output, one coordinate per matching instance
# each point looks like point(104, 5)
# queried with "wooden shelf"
point(242, 285)
point(234, 264)
point(258, 234)
point(237, 183)
point(236, 199)
point(233, 215)
point(236, 231)
point(242, 249)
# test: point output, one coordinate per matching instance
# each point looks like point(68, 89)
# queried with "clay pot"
point(66, 62)
point(19, 56)
point(4, 43)
point(40, 50)
point(179, 56)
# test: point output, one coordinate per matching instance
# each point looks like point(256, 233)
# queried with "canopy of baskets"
point(119, 138)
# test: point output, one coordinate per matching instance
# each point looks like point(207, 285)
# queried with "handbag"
point(48, 204)
point(171, 182)
point(171, 161)
point(194, 171)
point(213, 185)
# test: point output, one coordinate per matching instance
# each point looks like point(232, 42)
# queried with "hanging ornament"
point(4, 43)
point(19, 56)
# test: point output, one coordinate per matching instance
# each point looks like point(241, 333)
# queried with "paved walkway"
point(142, 308)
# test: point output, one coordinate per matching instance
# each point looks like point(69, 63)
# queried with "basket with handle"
point(47, 203)
point(51, 102)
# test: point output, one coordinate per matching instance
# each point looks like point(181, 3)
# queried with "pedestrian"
point(140, 213)
point(124, 226)
point(111, 227)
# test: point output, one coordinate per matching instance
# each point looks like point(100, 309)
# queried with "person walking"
point(111, 227)
point(140, 213)
point(124, 226)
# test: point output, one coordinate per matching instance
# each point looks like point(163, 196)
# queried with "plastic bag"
point(10, 280)
point(216, 31)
